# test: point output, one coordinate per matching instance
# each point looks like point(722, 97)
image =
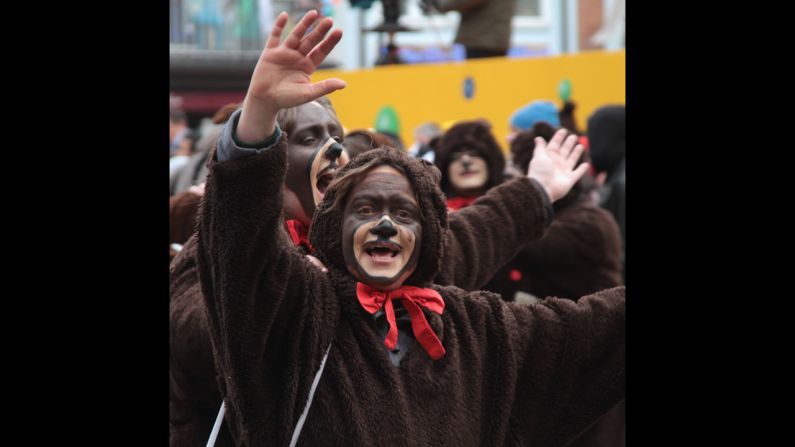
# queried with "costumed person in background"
point(470, 161)
point(607, 138)
point(579, 254)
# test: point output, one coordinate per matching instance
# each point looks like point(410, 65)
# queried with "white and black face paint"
point(314, 154)
point(323, 166)
point(382, 229)
point(468, 172)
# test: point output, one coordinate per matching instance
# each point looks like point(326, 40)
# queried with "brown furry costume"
point(512, 374)
point(482, 238)
point(579, 254)
point(194, 399)
point(182, 216)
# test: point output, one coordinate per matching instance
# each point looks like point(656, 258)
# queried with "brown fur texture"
point(482, 238)
point(193, 387)
point(512, 375)
point(182, 208)
point(579, 254)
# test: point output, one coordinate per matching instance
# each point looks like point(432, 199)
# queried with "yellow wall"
point(434, 92)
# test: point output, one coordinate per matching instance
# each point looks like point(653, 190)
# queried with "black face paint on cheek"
point(348, 253)
point(299, 162)
point(381, 196)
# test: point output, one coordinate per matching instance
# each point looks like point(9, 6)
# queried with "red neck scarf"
point(299, 234)
point(456, 203)
point(412, 298)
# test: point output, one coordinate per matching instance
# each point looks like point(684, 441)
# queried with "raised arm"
point(486, 235)
point(281, 78)
point(265, 301)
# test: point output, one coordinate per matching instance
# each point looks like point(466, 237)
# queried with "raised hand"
point(553, 164)
point(281, 78)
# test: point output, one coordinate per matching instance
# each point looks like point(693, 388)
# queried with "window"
point(528, 8)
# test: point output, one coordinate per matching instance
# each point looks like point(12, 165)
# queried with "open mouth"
point(381, 250)
point(323, 180)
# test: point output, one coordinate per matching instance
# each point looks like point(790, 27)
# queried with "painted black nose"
point(334, 151)
point(384, 229)
point(466, 163)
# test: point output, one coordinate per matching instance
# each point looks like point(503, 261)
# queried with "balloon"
point(564, 90)
point(387, 121)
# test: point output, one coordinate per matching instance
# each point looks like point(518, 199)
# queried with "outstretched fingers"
point(556, 141)
point(323, 88)
point(315, 36)
point(274, 39)
point(319, 53)
point(579, 172)
point(568, 145)
point(294, 39)
point(574, 156)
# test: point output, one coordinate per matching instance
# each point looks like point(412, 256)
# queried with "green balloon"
point(387, 121)
point(564, 90)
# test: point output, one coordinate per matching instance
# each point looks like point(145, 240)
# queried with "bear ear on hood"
point(435, 172)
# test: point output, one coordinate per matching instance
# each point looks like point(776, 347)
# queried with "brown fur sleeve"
point(574, 367)
point(486, 235)
point(579, 254)
point(271, 313)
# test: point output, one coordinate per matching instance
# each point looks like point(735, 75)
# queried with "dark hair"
point(362, 140)
point(222, 115)
point(566, 117)
point(523, 145)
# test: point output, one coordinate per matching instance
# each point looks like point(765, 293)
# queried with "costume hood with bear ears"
point(325, 233)
point(473, 135)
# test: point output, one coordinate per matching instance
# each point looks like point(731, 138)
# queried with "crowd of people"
point(330, 288)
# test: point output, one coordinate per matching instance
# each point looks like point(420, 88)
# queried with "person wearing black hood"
point(470, 161)
point(373, 353)
point(606, 135)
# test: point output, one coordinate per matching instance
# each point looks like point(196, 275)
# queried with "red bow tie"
point(456, 203)
point(412, 298)
point(299, 234)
